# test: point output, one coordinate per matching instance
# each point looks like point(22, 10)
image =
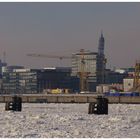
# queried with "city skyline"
point(65, 28)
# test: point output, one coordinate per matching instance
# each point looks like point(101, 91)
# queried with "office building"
point(56, 77)
point(20, 81)
point(113, 77)
point(28, 81)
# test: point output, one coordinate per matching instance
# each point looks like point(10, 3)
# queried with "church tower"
point(101, 60)
point(101, 45)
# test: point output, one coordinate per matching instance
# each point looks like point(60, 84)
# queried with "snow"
point(70, 120)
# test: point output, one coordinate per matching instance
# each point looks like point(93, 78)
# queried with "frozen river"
point(70, 120)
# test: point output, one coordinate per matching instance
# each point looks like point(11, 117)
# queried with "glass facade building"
point(52, 78)
point(20, 82)
point(29, 81)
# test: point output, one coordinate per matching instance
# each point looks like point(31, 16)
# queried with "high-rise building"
point(91, 63)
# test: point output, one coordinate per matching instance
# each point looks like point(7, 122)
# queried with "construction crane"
point(136, 82)
point(137, 74)
point(49, 56)
point(82, 74)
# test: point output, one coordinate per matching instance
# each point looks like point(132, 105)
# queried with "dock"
point(70, 98)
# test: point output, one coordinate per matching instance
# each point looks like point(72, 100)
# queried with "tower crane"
point(136, 81)
point(49, 56)
point(82, 74)
point(137, 75)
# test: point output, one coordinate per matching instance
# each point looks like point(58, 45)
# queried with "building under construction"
point(90, 66)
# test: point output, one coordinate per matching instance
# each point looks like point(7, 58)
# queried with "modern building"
point(28, 81)
point(56, 77)
point(20, 81)
point(112, 77)
point(91, 63)
point(13, 67)
point(130, 71)
point(114, 81)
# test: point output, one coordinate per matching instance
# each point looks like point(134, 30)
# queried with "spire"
point(101, 44)
point(101, 33)
point(102, 37)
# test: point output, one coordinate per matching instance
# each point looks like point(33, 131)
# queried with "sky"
point(65, 28)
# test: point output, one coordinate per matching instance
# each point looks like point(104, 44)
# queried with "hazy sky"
point(65, 28)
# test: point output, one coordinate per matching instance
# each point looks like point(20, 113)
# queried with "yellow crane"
point(82, 74)
point(137, 75)
point(136, 82)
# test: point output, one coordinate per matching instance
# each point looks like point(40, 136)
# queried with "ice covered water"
point(70, 120)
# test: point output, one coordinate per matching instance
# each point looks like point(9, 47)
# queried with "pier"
point(69, 98)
